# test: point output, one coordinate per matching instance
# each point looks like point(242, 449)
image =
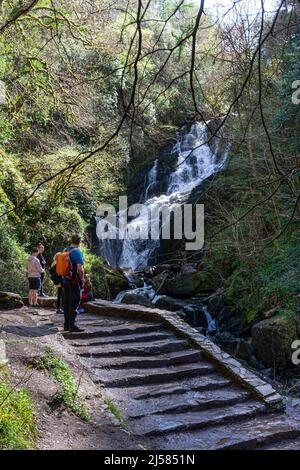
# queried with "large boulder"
point(190, 284)
point(158, 282)
point(136, 299)
point(9, 301)
point(167, 303)
point(272, 340)
point(172, 268)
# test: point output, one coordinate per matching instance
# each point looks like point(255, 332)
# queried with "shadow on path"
point(30, 331)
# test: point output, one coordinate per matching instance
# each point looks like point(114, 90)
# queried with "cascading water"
point(190, 161)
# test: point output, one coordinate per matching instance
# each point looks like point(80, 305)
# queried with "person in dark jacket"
point(42, 260)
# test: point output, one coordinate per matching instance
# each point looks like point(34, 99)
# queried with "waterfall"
point(190, 161)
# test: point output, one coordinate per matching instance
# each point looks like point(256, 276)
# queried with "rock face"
point(189, 284)
point(272, 340)
point(9, 300)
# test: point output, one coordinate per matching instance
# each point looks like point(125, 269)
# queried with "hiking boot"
point(59, 312)
point(36, 306)
point(75, 329)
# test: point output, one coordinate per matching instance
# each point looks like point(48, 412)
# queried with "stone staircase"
point(169, 391)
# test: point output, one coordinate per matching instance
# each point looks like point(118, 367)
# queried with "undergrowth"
point(68, 391)
point(17, 421)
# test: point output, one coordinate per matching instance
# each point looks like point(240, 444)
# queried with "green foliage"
point(17, 422)
point(106, 282)
point(269, 281)
point(12, 261)
point(115, 411)
point(68, 391)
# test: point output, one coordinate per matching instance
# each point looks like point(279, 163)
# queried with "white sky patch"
point(221, 7)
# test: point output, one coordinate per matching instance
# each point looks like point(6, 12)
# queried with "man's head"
point(35, 251)
point(41, 248)
point(76, 239)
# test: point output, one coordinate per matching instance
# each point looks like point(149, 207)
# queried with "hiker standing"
point(34, 272)
point(57, 281)
point(72, 281)
point(42, 260)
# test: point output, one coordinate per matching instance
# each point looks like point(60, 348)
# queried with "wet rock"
point(189, 268)
point(135, 280)
point(159, 282)
point(190, 284)
point(194, 315)
point(227, 341)
point(173, 268)
point(272, 340)
point(244, 350)
point(136, 299)
point(9, 300)
point(167, 303)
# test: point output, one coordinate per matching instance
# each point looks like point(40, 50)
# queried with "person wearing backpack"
point(70, 265)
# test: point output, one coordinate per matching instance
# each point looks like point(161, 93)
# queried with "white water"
point(195, 162)
point(211, 323)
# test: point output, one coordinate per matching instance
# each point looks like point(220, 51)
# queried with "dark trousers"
point(60, 298)
point(71, 302)
point(41, 291)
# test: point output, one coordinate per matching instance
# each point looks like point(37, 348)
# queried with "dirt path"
point(26, 334)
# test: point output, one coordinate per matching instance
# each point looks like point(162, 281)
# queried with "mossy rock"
point(116, 282)
point(191, 284)
point(108, 283)
point(9, 301)
point(272, 340)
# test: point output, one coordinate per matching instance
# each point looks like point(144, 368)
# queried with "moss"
point(68, 391)
point(17, 422)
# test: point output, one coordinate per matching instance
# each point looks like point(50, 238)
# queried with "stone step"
point(118, 330)
point(125, 362)
point(286, 443)
point(155, 425)
point(263, 432)
point(132, 338)
point(123, 377)
point(190, 401)
point(134, 349)
point(212, 381)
